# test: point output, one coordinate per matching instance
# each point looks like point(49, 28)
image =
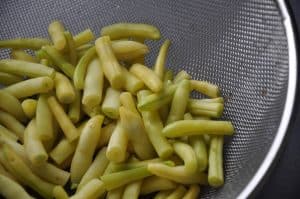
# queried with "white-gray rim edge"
point(288, 107)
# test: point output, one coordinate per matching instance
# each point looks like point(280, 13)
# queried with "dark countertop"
point(284, 180)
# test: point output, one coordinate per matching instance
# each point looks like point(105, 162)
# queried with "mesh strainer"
point(244, 46)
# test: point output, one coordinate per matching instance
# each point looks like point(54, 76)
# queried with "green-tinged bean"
point(126, 30)
point(60, 193)
point(29, 107)
point(30, 43)
point(64, 89)
point(44, 119)
point(11, 105)
point(187, 154)
point(212, 100)
point(199, 145)
point(56, 31)
point(8, 79)
point(154, 126)
point(93, 87)
point(59, 60)
point(177, 174)
point(215, 162)
point(23, 56)
point(93, 189)
point(45, 62)
point(193, 192)
point(128, 102)
point(132, 190)
point(198, 127)
point(11, 189)
point(74, 111)
point(126, 50)
point(154, 184)
point(134, 165)
point(205, 108)
point(134, 127)
point(111, 68)
point(106, 133)
point(85, 149)
point(33, 145)
point(181, 76)
point(62, 151)
point(84, 37)
point(132, 83)
point(168, 76)
point(96, 169)
point(111, 103)
point(12, 124)
point(42, 55)
point(115, 193)
point(118, 179)
point(149, 77)
point(205, 88)
point(109, 169)
point(8, 134)
point(24, 68)
point(62, 119)
point(159, 66)
point(30, 87)
point(71, 47)
point(162, 194)
point(81, 68)
point(197, 117)
point(178, 193)
point(23, 172)
point(116, 149)
point(84, 47)
point(157, 100)
point(179, 102)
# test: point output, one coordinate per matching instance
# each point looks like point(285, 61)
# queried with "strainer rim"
point(288, 107)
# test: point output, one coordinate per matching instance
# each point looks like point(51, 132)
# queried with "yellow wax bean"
point(33, 145)
point(93, 87)
point(56, 31)
point(148, 76)
point(11, 189)
point(63, 120)
point(85, 149)
point(159, 66)
point(111, 68)
point(23, 56)
point(11, 105)
point(30, 87)
point(116, 150)
point(29, 107)
point(154, 184)
point(12, 124)
point(126, 30)
point(64, 89)
point(44, 119)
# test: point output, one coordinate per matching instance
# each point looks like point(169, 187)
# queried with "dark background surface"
point(284, 180)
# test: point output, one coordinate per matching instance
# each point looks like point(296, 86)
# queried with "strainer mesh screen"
point(238, 44)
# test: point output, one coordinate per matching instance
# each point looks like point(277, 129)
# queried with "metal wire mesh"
point(238, 44)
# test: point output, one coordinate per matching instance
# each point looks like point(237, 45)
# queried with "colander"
point(246, 47)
